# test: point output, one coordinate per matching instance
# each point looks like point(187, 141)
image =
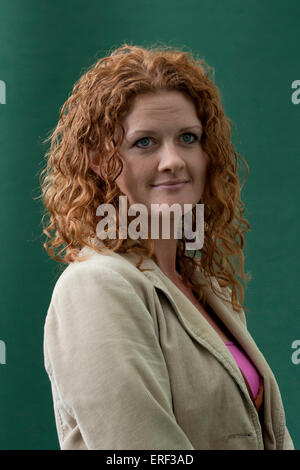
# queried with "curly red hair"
point(71, 191)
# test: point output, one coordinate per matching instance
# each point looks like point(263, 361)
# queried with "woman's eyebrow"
point(149, 131)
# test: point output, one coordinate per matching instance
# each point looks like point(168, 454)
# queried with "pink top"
point(246, 366)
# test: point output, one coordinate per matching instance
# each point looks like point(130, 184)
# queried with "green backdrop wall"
point(44, 47)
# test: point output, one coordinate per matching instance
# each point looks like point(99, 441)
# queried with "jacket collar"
point(199, 328)
point(195, 324)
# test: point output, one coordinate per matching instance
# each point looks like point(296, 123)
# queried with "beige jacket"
point(134, 365)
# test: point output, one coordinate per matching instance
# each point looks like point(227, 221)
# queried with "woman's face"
point(162, 144)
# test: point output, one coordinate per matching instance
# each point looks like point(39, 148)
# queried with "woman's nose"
point(170, 158)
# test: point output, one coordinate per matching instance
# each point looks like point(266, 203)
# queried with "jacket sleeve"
point(106, 366)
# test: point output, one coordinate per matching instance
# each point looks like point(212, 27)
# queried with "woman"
point(145, 343)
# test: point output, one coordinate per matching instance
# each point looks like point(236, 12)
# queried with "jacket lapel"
point(199, 328)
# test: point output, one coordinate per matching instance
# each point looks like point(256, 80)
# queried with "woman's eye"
point(145, 139)
point(190, 133)
point(142, 140)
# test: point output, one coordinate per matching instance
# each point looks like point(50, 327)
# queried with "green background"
point(45, 46)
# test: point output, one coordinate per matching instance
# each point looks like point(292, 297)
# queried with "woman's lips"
point(170, 186)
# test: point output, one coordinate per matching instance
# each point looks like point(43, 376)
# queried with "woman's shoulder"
point(105, 268)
